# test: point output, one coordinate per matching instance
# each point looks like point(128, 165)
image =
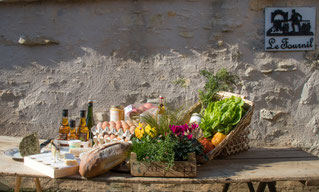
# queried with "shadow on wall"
point(126, 29)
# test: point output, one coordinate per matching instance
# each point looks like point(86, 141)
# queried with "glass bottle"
point(64, 127)
point(160, 108)
point(83, 131)
point(89, 119)
point(72, 134)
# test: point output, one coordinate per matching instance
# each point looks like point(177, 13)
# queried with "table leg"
point(18, 184)
point(226, 186)
point(37, 184)
point(272, 186)
point(251, 187)
point(261, 187)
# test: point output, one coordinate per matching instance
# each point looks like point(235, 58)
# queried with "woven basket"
point(237, 140)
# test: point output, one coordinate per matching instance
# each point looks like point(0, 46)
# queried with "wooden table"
point(263, 165)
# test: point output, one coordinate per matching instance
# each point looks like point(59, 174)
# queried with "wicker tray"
point(237, 140)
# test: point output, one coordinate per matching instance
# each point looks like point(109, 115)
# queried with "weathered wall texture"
point(125, 51)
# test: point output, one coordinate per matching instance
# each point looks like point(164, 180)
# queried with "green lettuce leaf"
point(222, 116)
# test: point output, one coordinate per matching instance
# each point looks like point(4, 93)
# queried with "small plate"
point(14, 153)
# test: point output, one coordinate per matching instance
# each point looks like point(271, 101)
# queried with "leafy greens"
point(222, 116)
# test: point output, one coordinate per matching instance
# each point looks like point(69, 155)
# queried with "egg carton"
point(107, 135)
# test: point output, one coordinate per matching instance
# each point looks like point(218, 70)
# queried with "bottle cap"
point(72, 123)
point(82, 113)
point(65, 112)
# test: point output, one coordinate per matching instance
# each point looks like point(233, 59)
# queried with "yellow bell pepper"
point(139, 131)
point(150, 131)
point(218, 138)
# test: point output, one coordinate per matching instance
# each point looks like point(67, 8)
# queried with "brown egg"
point(132, 129)
point(118, 125)
point(112, 125)
point(125, 127)
point(130, 123)
point(112, 136)
point(104, 125)
point(106, 136)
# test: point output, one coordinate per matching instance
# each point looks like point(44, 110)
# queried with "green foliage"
point(181, 82)
point(159, 149)
point(170, 117)
point(185, 146)
point(221, 81)
point(222, 116)
point(166, 147)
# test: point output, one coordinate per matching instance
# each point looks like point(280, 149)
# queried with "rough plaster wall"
point(121, 52)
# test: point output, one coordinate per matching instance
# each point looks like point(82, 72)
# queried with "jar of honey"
point(116, 113)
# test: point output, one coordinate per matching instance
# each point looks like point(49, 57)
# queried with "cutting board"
point(44, 164)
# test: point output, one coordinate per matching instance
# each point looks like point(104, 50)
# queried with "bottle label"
point(63, 136)
point(83, 136)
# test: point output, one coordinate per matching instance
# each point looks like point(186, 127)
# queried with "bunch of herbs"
point(158, 149)
point(221, 81)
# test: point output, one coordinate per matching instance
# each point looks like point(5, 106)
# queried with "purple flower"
point(190, 136)
point(181, 130)
point(194, 126)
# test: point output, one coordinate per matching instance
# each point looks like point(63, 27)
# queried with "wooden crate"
point(180, 169)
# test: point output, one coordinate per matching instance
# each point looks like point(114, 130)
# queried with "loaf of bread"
point(103, 158)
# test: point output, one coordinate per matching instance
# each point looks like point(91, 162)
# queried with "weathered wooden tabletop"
point(257, 164)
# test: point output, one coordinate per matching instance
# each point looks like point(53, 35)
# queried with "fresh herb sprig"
point(221, 81)
point(159, 149)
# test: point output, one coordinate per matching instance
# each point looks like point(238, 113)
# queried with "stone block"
point(34, 41)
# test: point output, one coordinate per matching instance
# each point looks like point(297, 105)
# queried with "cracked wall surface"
point(59, 54)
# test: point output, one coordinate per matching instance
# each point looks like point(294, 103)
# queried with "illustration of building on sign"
point(285, 24)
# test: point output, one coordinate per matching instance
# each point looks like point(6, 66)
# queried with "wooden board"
point(180, 169)
point(271, 153)
point(45, 164)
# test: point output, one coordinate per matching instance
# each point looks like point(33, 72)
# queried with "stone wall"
point(59, 54)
